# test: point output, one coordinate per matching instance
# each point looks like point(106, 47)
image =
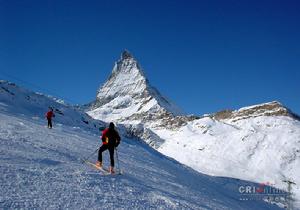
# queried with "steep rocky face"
point(126, 79)
point(127, 95)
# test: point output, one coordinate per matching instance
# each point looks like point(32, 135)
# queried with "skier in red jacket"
point(49, 116)
point(110, 140)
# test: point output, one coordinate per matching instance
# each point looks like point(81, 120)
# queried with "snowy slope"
point(127, 95)
point(41, 169)
point(260, 143)
point(262, 149)
point(15, 99)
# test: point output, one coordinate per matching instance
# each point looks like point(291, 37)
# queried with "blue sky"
point(204, 55)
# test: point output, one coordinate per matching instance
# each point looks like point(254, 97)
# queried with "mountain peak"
point(126, 55)
point(127, 64)
point(127, 94)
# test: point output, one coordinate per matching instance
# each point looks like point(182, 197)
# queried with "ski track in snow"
point(41, 169)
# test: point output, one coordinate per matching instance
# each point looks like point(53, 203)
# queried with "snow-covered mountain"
point(41, 168)
point(259, 143)
point(128, 96)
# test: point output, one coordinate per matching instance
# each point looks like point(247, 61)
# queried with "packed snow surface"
point(41, 168)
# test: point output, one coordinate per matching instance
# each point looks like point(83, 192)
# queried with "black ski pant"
point(111, 150)
point(49, 122)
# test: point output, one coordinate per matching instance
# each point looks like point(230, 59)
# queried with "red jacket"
point(104, 136)
point(110, 137)
point(50, 114)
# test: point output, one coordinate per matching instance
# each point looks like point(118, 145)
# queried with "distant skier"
point(110, 140)
point(49, 116)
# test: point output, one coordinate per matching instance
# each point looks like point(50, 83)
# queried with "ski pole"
point(118, 160)
point(85, 159)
